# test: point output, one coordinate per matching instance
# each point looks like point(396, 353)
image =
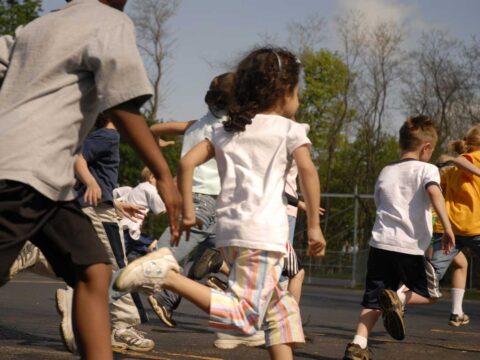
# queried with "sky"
point(209, 34)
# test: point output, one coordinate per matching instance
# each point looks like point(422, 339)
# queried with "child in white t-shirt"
point(146, 195)
point(401, 235)
point(254, 150)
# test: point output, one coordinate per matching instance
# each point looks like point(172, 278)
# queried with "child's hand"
point(93, 193)
point(152, 246)
point(316, 242)
point(131, 211)
point(164, 144)
point(448, 241)
point(189, 221)
point(302, 206)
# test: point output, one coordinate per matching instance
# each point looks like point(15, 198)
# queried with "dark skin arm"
point(132, 126)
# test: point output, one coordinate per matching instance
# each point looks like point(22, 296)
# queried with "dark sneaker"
point(355, 352)
point(458, 320)
point(392, 313)
point(210, 262)
point(162, 312)
point(217, 284)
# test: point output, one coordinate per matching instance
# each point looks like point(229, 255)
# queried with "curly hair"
point(220, 94)
point(417, 130)
point(471, 139)
point(262, 78)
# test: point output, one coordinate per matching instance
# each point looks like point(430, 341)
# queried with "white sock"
point(402, 295)
point(360, 340)
point(457, 301)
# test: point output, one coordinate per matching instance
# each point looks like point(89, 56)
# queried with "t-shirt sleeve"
point(6, 45)
point(155, 202)
point(297, 136)
point(119, 72)
point(431, 176)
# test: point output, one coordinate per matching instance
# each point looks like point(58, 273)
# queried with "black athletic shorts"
point(60, 230)
point(391, 269)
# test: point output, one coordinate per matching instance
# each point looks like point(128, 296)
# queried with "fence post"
point(355, 240)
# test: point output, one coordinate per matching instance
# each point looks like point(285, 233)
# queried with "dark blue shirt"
point(101, 150)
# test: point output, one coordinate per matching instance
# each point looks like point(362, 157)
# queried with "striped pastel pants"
point(254, 298)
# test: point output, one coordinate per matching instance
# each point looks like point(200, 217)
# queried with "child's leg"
point(367, 320)
point(281, 352)
point(459, 281)
point(91, 312)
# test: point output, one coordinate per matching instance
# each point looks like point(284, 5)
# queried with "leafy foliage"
point(14, 13)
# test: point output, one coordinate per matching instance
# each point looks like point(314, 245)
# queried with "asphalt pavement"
point(29, 328)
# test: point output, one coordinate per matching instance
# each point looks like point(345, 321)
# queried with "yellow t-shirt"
point(461, 190)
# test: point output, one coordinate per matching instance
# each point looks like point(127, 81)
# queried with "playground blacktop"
point(29, 328)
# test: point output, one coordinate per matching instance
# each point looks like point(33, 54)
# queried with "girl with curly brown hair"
point(254, 150)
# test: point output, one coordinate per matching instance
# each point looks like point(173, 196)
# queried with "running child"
point(60, 76)
point(254, 149)
point(401, 235)
point(146, 195)
point(461, 187)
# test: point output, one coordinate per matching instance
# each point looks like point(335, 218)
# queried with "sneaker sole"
point(59, 301)
point(125, 347)
point(121, 284)
point(392, 319)
point(158, 311)
point(457, 324)
point(232, 344)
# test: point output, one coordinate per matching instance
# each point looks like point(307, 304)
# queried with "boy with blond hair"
point(401, 235)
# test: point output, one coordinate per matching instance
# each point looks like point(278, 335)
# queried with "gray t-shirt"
point(64, 69)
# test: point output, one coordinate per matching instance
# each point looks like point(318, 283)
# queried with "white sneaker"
point(228, 341)
point(131, 339)
point(63, 301)
point(149, 270)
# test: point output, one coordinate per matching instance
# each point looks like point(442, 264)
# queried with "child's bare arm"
point(93, 193)
point(171, 127)
point(310, 185)
point(462, 163)
point(131, 124)
point(199, 154)
point(438, 203)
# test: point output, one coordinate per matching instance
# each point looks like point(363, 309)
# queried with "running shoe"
point(149, 270)
point(131, 339)
point(392, 313)
point(459, 320)
point(164, 314)
point(210, 262)
point(355, 352)
point(63, 302)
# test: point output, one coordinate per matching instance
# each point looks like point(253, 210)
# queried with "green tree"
point(14, 13)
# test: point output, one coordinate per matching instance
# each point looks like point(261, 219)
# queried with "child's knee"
point(95, 274)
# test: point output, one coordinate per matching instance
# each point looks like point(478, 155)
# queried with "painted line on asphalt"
point(37, 282)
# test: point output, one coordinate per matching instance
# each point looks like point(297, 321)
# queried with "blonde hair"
point(146, 173)
point(471, 139)
point(416, 131)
